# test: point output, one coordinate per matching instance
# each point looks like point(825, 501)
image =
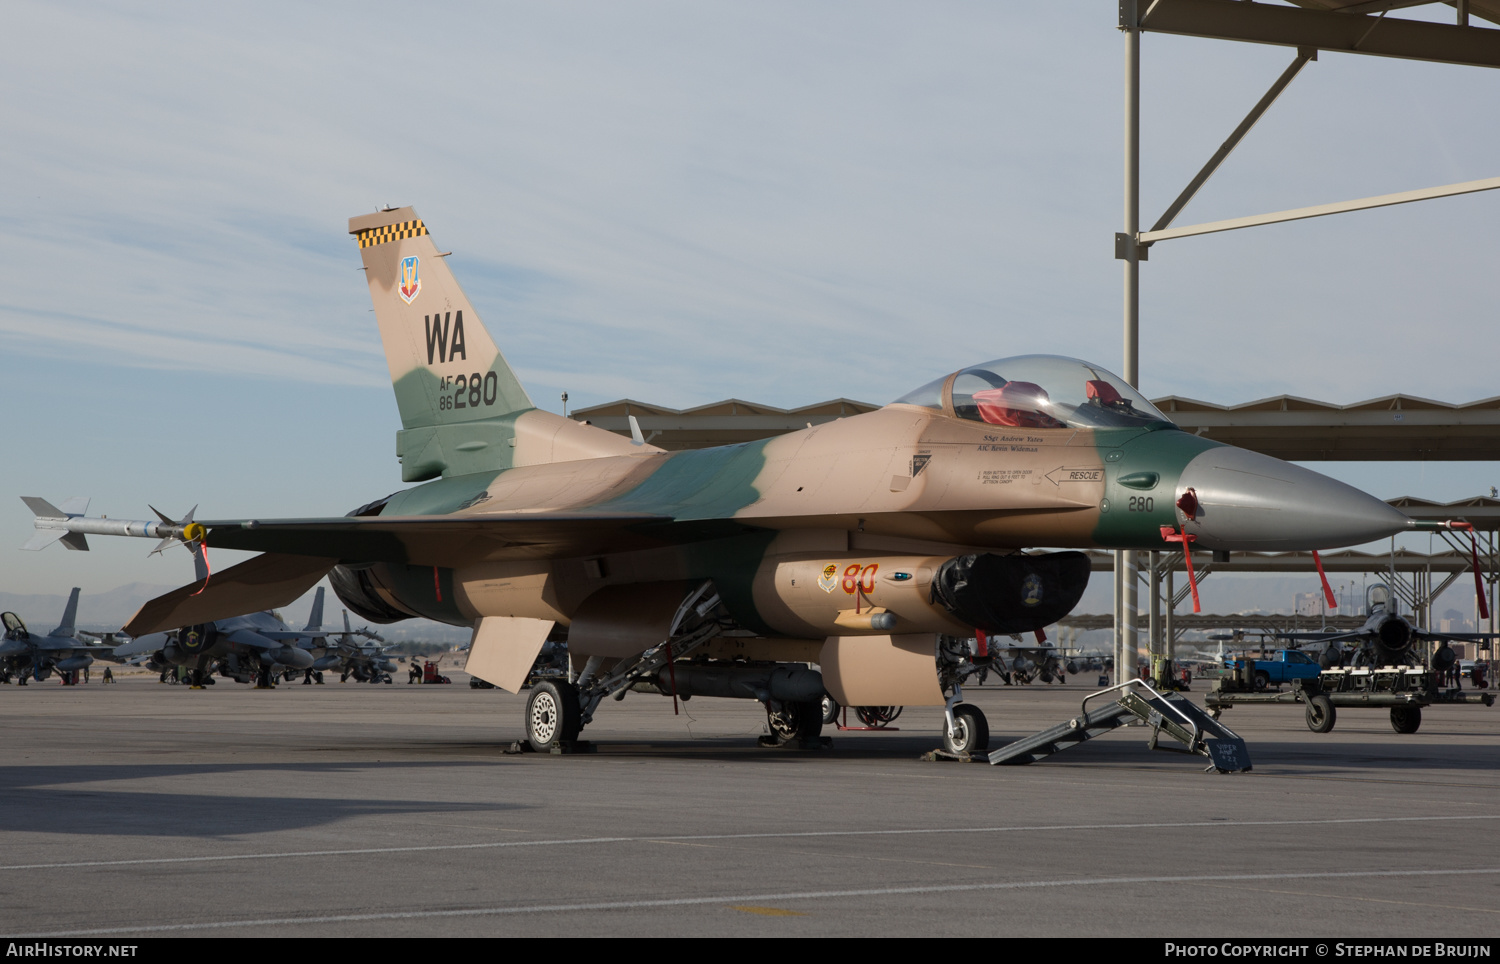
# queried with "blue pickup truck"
point(1288, 665)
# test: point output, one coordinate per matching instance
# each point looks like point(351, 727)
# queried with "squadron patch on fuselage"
point(1031, 590)
point(411, 283)
point(829, 580)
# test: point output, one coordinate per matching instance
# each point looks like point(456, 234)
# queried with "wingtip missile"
point(68, 524)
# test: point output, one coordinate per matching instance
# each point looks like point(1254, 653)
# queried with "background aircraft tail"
point(69, 624)
point(315, 618)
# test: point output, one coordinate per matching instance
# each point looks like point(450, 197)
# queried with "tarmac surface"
point(144, 809)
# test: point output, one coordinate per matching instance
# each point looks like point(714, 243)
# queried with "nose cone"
point(1251, 501)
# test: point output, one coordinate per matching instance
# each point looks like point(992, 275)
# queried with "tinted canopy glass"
point(1040, 391)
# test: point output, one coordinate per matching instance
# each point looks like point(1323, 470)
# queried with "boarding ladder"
point(1169, 714)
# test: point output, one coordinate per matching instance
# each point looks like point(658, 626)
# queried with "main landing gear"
point(553, 716)
point(793, 724)
point(556, 712)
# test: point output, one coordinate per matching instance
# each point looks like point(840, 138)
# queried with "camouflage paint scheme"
point(524, 514)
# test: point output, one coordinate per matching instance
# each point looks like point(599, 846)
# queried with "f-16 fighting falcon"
point(364, 661)
point(255, 647)
point(856, 545)
point(29, 656)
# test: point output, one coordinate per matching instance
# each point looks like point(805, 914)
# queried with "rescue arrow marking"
point(1083, 474)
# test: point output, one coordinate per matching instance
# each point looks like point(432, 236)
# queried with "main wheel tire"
point(971, 731)
point(552, 716)
point(1320, 714)
point(1406, 719)
point(795, 722)
point(830, 710)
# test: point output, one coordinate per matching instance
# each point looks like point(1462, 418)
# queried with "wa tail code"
point(437, 337)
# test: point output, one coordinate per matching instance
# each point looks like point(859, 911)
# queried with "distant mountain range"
point(96, 611)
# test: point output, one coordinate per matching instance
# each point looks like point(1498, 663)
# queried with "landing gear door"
point(882, 670)
point(504, 648)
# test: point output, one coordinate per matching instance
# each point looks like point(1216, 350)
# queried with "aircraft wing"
point(265, 582)
point(1455, 637)
point(254, 638)
point(143, 646)
point(458, 540)
point(1317, 637)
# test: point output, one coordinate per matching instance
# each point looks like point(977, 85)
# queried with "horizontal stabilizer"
point(141, 646)
point(265, 582)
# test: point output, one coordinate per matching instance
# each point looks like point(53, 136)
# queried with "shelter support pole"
point(1153, 618)
point(1126, 578)
point(1118, 647)
point(1171, 594)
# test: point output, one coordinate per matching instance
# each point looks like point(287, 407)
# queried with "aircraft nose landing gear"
point(969, 732)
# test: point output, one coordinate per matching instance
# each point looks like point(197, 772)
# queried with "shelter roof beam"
point(1379, 36)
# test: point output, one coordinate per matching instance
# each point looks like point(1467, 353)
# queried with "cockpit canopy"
point(1038, 391)
point(14, 628)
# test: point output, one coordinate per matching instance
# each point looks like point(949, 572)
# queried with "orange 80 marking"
point(859, 578)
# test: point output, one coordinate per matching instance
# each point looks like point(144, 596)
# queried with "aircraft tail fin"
point(445, 368)
point(315, 618)
point(462, 408)
point(69, 624)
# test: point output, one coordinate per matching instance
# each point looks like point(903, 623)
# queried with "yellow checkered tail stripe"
point(391, 232)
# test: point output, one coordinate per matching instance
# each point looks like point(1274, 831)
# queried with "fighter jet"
point(364, 661)
point(1386, 639)
point(257, 647)
point(27, 656)
point(730, 571)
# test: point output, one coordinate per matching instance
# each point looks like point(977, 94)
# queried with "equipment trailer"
point(1404, 690)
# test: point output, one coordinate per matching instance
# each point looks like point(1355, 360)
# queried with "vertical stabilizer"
point(315, 618)
point(457, 395)
point(69, 625)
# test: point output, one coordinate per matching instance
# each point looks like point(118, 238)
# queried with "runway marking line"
point(769, 899)
point(769, 911)
point(770, 835)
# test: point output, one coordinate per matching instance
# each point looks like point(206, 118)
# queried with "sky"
point(679, 202)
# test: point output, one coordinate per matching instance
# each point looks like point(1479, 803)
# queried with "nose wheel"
point(970, 733)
